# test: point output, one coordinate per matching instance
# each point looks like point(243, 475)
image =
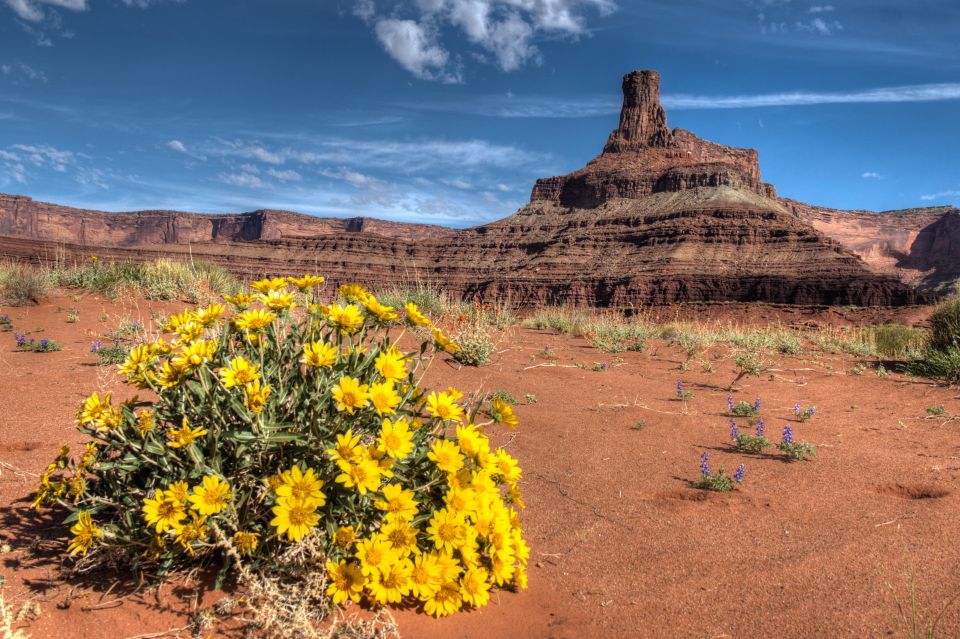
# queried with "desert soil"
point(623, 545)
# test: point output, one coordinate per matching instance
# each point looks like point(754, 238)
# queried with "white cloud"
point(285, 176)
point(180, 147)
point(458, 183)
point(243, 180)
point(44, 155)
point(355, 179)
point(939, 196)
point(32, 10)
point(504, 29)
point(415, 47)
point(821, 8)
point(871, 175)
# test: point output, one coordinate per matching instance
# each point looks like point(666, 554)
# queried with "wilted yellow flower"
point(415, 317)
point(185, 436)
point(85, 532)
point(171, 375)
point(256, 395)
point(195, 530)
point(344, 536)
point(317, 354)
point(246, 542)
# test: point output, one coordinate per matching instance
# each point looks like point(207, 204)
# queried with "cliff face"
point(25, 218)
point(661, 216)
point(919, 246)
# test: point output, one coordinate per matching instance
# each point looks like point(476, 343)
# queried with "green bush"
point(945, 325)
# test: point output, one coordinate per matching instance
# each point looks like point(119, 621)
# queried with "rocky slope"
point(660, 216)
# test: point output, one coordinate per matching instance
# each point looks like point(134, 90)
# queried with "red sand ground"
point(623, 546)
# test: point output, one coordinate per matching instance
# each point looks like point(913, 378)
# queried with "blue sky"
point(446, 111)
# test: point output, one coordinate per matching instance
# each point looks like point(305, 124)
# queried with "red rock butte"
point(660, 216)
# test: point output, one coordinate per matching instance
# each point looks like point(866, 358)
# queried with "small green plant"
point(73, 316)
point(789, 343)
point(882, 370)
point(639, 425)
point(804, 414)
point(742, 408)
point(717, 481)
point(547, 353)
point(530, 398)
point(110, 355)
point(748, 363)
point(6, 324)
point(936, 411)
point(795, 451)
point(754, 444)
point(859, 369)
point(504, 396)
point(44, 345)
point(683, 395)
point(706, 365)
point(599, 367)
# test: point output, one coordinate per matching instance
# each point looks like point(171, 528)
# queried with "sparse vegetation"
point(429, 299)
point(21, 284)
point(43, 345)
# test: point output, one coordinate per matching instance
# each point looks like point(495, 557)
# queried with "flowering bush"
point(794, 450)
point(719, 481)
point(298, 423)
point(749, 443)
point(33, 346)
point(804, 414)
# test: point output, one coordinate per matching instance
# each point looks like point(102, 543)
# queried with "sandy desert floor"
point(623, 545)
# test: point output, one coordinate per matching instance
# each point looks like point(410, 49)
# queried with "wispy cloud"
point(33, 10)
point(929, 197)
point(18, 71)
point(871, 175)
point(910, 93)
point(180, 147)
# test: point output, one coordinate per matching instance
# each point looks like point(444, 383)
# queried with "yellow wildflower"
point(397, 501)
point(295, 518)
point(502, 413)
point(346, 582)
point(301, 486)
point(246, 542)
point(374, 554)
point(446, 530)
point(241, 300)
point(378, 310)
point(306, 282)
point(443, 406)
point(194, 354)
point(269, 285)
point(256, 395)
point(185, 436)
point(390, 364)
point(445, 601)
point(444, 343)
point(240, 373)
point(317, 354)
point(395, 438)
point(474, 587)
point(446, 455)
point(209, 315)
point(254, 320)
point(193, 531)
point(415, 317)
point(85, 532)
point(392, 583)
point(350, 394)
point(362, 474)
point(163, 511)
point(347, 318)
point(211, 496)
point(353, 292)
point(384, 398)
point(348, 447)
point(278, 300)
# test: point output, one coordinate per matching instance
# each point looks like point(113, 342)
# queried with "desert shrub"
point(286, 432)
point(945, 325)
point(557, 318)
point(6, 324)
point(33, 345)
point(937, 364)
point(21, 284)
point(613, 333)
point(163, 279)
point(429, 299)
point(474, 346)
point(788, 343)
point(893, 340)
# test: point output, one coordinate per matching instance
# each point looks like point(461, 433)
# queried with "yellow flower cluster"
point(286, 419)
point(167, 509)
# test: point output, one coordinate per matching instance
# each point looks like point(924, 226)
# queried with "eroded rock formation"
point(661, 216)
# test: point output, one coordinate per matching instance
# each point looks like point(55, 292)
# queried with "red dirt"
point(623, 546)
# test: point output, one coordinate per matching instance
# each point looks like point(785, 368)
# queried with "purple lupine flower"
point(96, 346)
point(797, 410)
point(738, 476)
point(734, 433)
point(603, 366)
point(760, 427)
point(705, 463)
point(813, 410)
point(680, 388)
point(20, 339)
point(787, 435)
point(44, 343)
point(136, 327)
point(756, 405)
point(730, 403)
